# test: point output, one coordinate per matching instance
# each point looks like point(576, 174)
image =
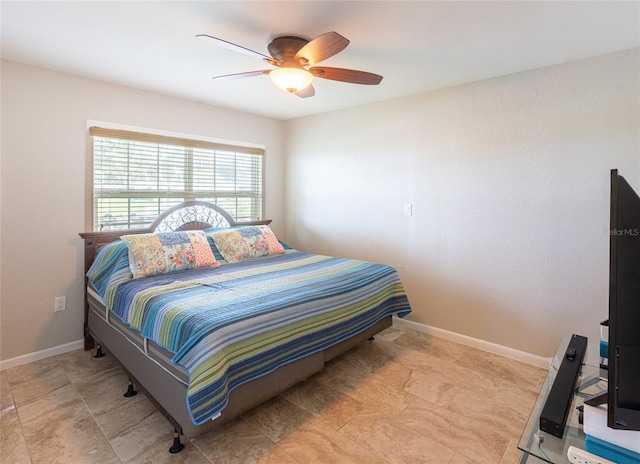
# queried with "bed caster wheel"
point(177, 446)
point(130, 391)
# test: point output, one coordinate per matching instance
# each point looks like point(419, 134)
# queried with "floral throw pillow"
point(151, 254)
point(247, 242)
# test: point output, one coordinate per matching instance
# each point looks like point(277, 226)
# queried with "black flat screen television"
point(623, 392)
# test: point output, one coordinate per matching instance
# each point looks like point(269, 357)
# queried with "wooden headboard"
point(189, 215)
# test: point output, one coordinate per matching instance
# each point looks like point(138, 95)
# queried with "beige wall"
point(508, 179)
point(509, 182)
point(44, 157)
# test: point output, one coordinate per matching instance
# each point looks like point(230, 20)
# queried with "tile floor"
point(404, 398)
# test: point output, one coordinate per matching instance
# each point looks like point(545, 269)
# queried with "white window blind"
point(136, 176)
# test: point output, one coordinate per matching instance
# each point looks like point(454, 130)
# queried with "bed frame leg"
point(99, 352)
point(130, 391)
point(177, 446)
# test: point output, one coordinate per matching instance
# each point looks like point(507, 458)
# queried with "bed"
point(208, 340)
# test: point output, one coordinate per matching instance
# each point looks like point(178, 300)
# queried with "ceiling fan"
point(292, 56)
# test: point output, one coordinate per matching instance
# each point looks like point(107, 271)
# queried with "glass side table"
point(544, 446)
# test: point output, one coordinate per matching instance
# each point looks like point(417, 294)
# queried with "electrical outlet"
point(578, 456)
point(60, 303)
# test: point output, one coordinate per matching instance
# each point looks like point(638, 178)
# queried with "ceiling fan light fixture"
point(291, 79)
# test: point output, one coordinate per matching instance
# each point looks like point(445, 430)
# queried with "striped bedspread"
point(230, 324)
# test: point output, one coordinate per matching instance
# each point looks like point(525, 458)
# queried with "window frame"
point(101, 129)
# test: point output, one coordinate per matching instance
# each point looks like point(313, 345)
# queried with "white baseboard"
point(483, 345)
point(38, 355)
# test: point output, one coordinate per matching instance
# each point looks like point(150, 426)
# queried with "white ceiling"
point(416, 45)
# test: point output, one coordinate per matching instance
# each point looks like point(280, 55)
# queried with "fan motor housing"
point(284, 48)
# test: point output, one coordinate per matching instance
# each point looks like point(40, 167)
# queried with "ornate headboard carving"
point(192, 215)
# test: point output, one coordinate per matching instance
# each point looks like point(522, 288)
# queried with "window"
point(136, 176)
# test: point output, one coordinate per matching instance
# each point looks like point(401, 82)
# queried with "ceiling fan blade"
point(307, 92)
point(346, 75)
point(321, 48)
point(243, 74)
point(232, 46)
